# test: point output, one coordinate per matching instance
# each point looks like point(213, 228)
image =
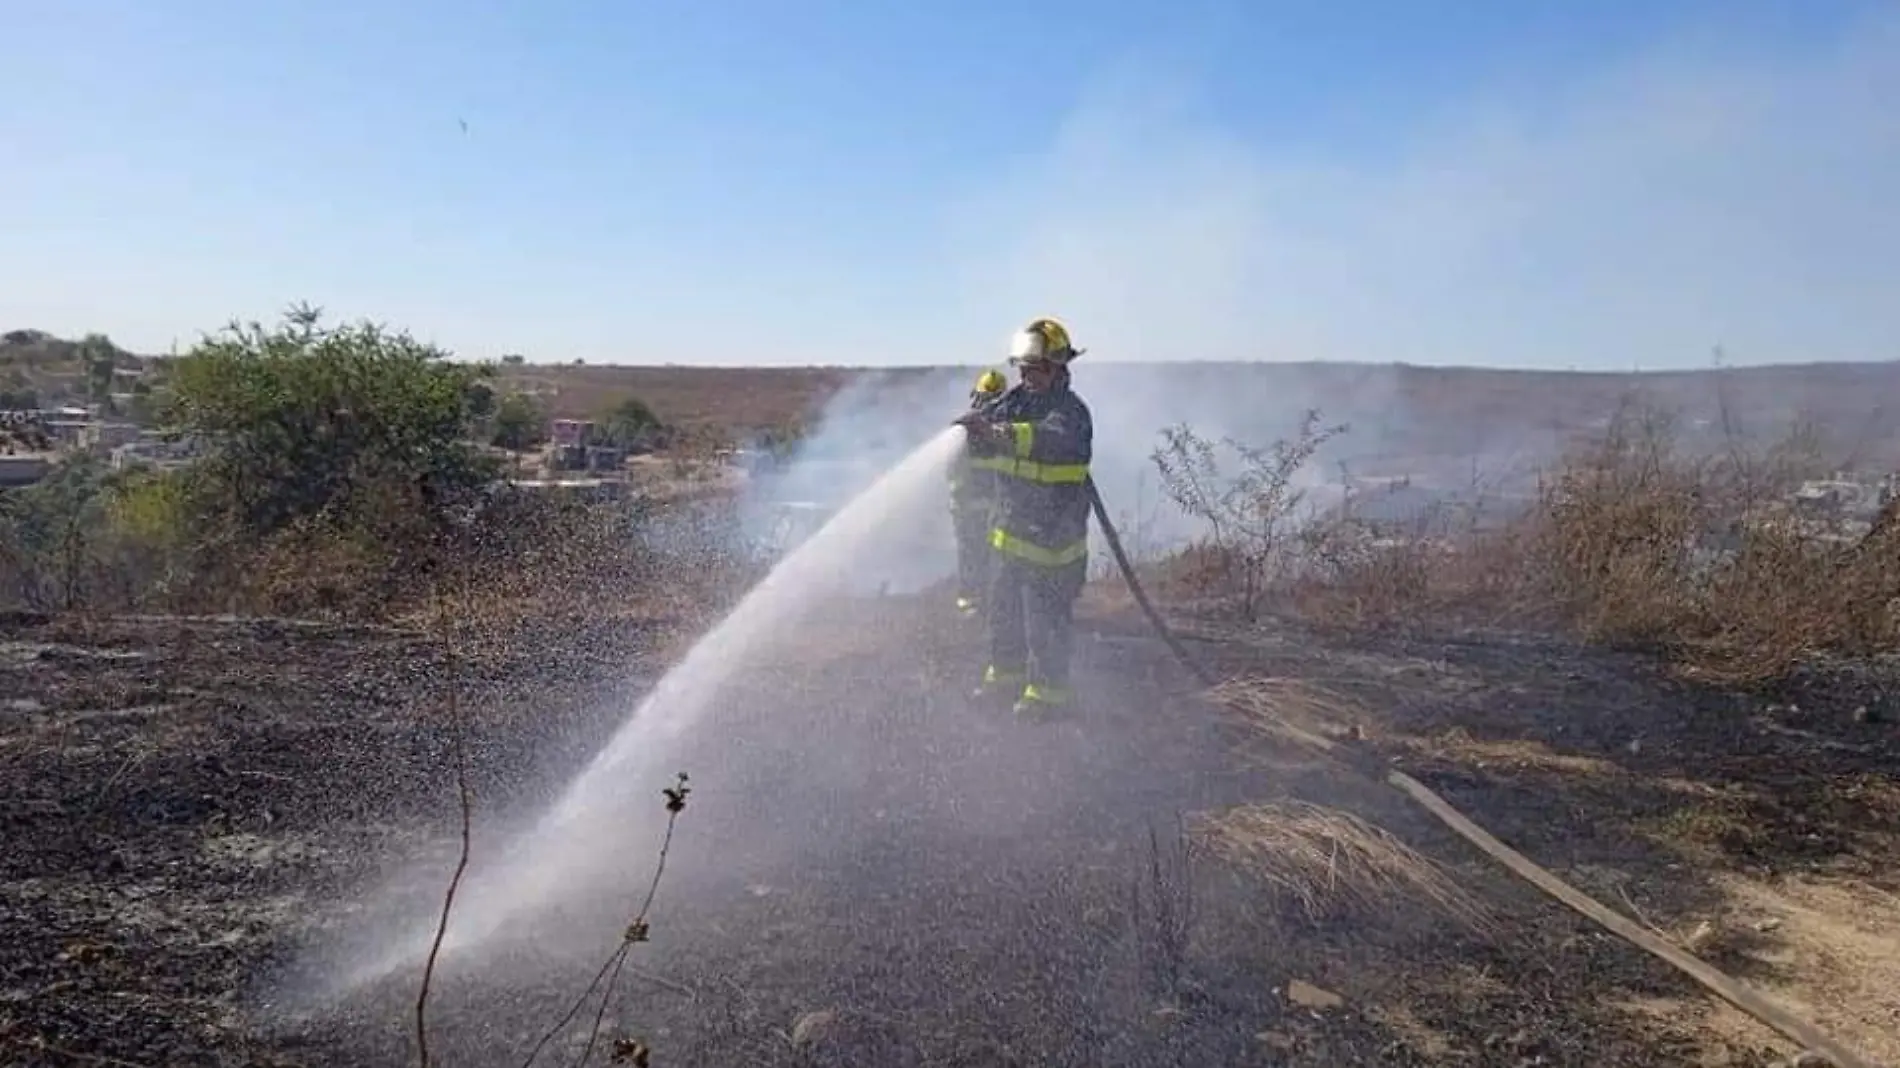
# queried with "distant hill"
point(1450, 411)
point(50, 371)
point(1394, 409)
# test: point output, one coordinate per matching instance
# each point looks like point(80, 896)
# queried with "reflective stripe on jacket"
point(1042, 503)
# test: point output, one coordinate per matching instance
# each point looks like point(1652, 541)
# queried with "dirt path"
point(186, 807)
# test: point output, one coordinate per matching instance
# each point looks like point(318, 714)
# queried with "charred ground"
point(871, 872)
point(191, 803)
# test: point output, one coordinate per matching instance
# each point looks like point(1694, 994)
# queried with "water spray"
point(558, 859)
point(547, 869)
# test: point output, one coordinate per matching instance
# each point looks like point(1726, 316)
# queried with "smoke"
point(866, 428)
point(882, 416)
point(1700, 193)
point(1704, 192)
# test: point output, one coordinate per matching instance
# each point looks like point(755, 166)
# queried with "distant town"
point(32, 440)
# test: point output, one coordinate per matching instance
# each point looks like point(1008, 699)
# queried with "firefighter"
point(972, 503)
point(1038, 438)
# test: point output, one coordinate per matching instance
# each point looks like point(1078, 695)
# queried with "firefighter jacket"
point(1042, 514)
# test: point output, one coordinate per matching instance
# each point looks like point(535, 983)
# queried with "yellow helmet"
point(989, 382)
point(1043, 339)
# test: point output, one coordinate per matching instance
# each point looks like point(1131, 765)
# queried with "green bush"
point(350, 430)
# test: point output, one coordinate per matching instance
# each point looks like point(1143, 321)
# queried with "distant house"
point(109, 436)
point(69, 432)
point(150, 450)
point(572, 433)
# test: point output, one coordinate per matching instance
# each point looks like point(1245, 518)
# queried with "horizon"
point(1474, 186)
point(1290, 365)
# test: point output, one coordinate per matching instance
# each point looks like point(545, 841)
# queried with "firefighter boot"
point(996, 687)
point(1042, 702)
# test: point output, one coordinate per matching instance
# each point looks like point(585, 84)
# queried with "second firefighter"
point(973, 507)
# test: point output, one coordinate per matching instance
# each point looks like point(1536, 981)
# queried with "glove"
point(985, 436)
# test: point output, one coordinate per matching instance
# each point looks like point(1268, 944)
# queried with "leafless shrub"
point(1447, 563)
point(1249, 512)
point(465, 808)
point(637, 931)
point(1161, 907)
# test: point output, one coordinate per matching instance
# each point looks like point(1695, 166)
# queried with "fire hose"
point(1803, 1034)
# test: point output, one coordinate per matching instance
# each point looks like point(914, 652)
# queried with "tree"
point(47, 532)
point(481, 402)
point(100, 358)
point(341, 427)
point(630, 424)
point(519, 423)
point(514, 359)
point(143, 407)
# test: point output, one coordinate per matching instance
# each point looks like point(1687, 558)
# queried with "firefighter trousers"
point(1032, 626)
point(974, 555)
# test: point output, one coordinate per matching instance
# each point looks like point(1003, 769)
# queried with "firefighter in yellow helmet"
point(972, 506)
point(1038, 438)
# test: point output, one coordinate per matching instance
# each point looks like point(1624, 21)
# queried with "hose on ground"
point(1795, 1029)
point(1113, 537)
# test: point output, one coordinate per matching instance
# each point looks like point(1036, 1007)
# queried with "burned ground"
point(189, 807)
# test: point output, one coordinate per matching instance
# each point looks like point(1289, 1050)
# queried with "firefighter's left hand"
point(984, 433)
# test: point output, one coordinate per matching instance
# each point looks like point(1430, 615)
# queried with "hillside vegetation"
point(345, 470)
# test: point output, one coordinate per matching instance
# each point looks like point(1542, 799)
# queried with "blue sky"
point(1605, 183)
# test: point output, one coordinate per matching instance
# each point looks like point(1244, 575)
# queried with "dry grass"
point(1637, 542)
point(1325, 862)
point(1710, 830)
point(705, 403)
point(1291, 709)
point(1447, 567)
point(1331, 865)
point(688, 397)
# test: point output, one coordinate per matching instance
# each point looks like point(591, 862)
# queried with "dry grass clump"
point(1331, 865)
point(1297, 710)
